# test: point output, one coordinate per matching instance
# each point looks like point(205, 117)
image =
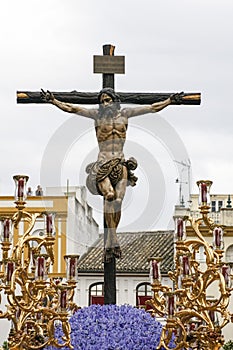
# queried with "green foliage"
point(5, 345)
point(228, 345)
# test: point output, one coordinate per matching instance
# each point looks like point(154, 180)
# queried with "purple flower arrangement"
point(112, 327)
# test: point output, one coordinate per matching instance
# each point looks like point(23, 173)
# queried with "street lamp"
point(36, 302)
point(193, 319)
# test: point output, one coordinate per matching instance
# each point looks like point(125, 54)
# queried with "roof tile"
point(136, 248)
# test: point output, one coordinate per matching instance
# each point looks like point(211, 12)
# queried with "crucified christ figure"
point(111, 173)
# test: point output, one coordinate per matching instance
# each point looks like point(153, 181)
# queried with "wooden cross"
point(108, 65)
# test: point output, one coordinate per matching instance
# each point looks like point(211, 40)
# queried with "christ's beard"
point(108, 111)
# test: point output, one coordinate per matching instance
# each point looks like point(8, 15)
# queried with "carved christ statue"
point(111, 173)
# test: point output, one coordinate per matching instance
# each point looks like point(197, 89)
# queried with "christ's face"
point(107, 107)
point(106, 100)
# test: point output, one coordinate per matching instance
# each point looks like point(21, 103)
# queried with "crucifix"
point(111, 173)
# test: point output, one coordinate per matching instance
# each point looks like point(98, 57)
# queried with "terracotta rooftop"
point(136, 249)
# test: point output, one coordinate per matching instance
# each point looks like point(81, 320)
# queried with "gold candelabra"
point(193, 319)
point(36, 301)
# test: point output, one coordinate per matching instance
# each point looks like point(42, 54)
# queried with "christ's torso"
point(111, 135)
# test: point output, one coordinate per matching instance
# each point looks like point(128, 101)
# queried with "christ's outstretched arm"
point(153, 108)
point(69, 107)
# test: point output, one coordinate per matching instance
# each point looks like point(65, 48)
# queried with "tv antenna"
point(187, 165)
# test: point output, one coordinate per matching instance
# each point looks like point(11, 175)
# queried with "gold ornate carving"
point(36, 302)
point(195, 320)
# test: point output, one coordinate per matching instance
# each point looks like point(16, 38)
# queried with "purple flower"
point(112, 327)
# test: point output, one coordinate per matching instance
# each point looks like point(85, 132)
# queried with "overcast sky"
point(169, 46)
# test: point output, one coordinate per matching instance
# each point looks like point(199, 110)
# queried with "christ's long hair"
point(114, 107)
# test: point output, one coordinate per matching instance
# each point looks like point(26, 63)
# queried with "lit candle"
point(72, 269)
point(217, 235)
point(41, 267)
point(203, 192)
point(63, 299)
point(180, 228)
point(185, 261)
point(212, 315)
point(10, 270)
point(225, 272)
point(155, 269)
point(171, 305)
point(49, 223)
point(21, 188)
point(6, 229)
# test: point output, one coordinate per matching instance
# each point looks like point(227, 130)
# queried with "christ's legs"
point(112, 214)
point(112, 247)
point(110, 220)
point(119, 195)
point(106, 189)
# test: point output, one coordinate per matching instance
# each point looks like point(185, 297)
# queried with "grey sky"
point(169, 46)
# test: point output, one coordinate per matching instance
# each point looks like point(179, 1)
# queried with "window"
point(143, 293)
point(96, 293)
point(229, 254)
point(220, 205)
point(213, 206)
point(216, 206)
